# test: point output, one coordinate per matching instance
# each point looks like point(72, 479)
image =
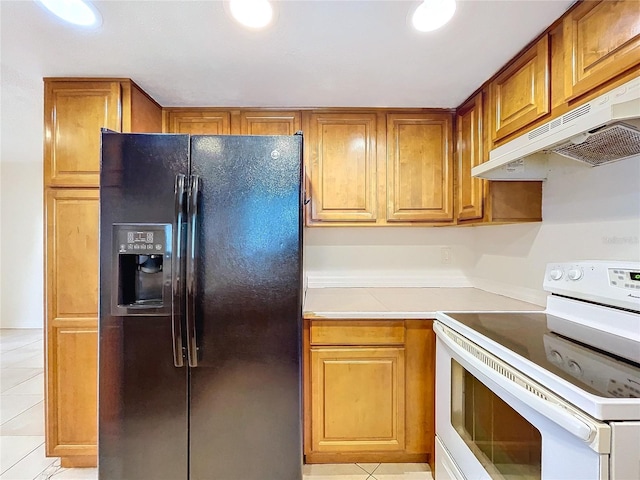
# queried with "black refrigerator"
point(200, 307)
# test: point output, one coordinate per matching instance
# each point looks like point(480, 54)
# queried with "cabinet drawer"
point(357, 332)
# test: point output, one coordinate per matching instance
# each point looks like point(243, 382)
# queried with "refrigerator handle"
point(177, 279)
point(192, 253)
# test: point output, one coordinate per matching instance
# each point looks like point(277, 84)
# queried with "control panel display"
point(139, 237)
point(134, 239)
point(623, 278)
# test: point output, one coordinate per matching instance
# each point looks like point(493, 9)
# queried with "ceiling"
point(318, 53)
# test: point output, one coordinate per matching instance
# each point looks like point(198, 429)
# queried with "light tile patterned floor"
point(22, 454)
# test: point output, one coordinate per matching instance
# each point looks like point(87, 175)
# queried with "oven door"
point(496, 423)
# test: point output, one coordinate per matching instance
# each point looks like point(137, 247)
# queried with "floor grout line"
point(23, 457)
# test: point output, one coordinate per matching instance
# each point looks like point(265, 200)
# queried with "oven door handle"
point(564, 416)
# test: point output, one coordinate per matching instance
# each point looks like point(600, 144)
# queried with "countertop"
point(404, 302)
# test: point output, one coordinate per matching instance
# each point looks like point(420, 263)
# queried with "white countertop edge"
point(400, 315)
point(369, 315)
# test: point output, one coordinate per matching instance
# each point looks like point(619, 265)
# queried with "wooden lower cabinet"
point(368, 391)
point(71, 277)
point(358, 399)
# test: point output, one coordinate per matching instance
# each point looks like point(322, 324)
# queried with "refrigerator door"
point(245, 415)
point(143, 396)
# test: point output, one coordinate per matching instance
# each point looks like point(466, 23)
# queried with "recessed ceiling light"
point(77, 12)
point(433, 14)
point(252, 13)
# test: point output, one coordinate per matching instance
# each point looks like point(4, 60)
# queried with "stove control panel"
point(612, 283)
point(625, 278)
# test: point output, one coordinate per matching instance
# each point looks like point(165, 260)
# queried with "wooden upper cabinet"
point(198, 122)
point(75, 111)
point(262, 122)
point(469, 153)
point(521, 93)
point(74, 114)
point(419, 167)
point(602, 40)
point(341, 167)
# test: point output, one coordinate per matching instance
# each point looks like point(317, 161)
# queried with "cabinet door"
point(341, 167)
point(602, 40)
point(419, 168)
point(198, 122)
point(74, 114)
point(357, 397)
point(71, 276)
point(269, 123)
point(469, 153)
point(521, 94)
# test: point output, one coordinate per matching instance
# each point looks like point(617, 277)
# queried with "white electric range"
point(544, 395)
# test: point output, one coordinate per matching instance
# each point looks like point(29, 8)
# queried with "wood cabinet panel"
point(357, 332)
point(341, 167)
point(351, 390)
point(140, 113)
point(358, 398)
point(198, 122)
point(71, 387)
point(71, 278)
point(469, 153)
point(420, 367)
point(521, 93)
point(602, 40)
point(74, 114)
point(72, 253)
point(419, 167)
point(512, 202)
point(263, 122)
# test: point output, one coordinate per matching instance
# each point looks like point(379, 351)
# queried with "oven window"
point(506, 444)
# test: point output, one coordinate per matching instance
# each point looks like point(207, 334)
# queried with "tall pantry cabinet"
point(74, 112)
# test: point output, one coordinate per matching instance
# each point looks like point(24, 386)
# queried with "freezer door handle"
point(192, 287)
point(177, 279)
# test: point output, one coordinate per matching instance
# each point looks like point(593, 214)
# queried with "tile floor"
point(22, 425)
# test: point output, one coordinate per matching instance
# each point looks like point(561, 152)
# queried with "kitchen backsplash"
point(589, 213)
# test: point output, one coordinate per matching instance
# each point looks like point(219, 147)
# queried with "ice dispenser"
point(142, 269)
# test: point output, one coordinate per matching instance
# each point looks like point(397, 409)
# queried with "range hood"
point(604, 130)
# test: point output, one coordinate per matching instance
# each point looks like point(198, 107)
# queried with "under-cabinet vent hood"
point(604, 130)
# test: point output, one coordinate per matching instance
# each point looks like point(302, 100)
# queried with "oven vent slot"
point(501, 368)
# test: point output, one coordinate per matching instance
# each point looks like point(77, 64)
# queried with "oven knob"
point(555, 274)
point(574, 274)
point(574, 368)
point(556, 357)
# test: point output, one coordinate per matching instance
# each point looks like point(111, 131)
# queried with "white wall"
point(21, 217)
point(589, 214)
point(386, 256)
